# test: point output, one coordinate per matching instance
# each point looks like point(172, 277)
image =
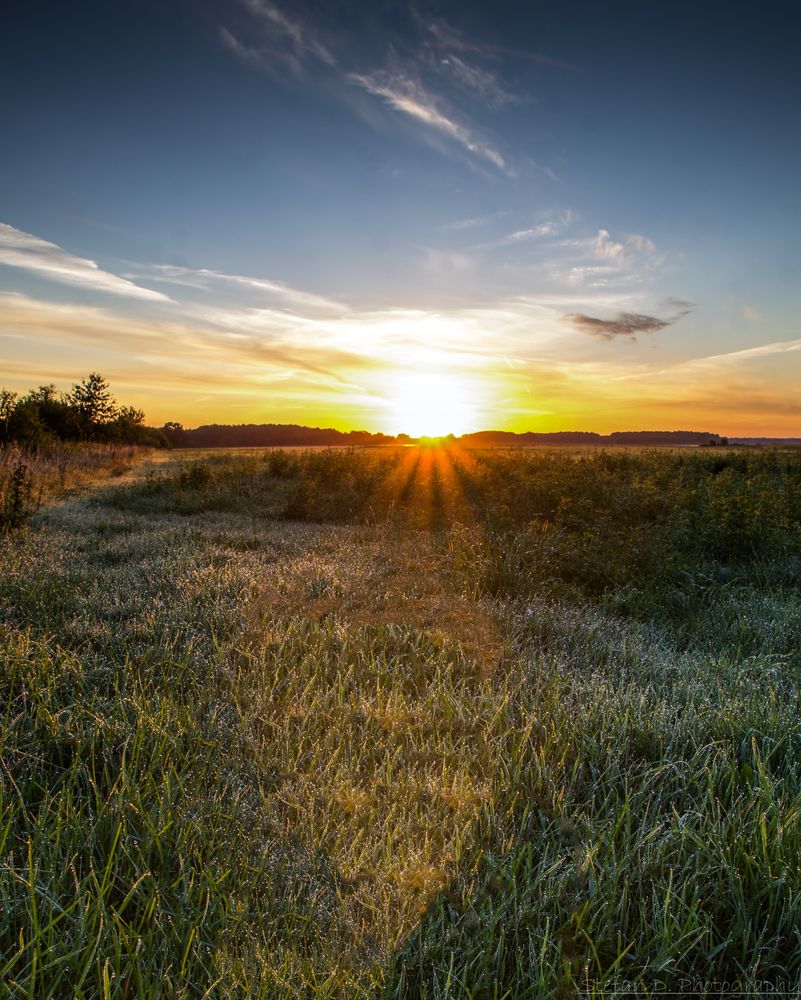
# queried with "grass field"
point(29, 478)
point(406, 723)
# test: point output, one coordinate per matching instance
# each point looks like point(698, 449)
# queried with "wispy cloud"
point(444, 261)
point(280, 40)
point(406, 80)
point(244, 346)
point(245, 52)
point(300, 36)
point(412, 99)
point(445, 50)
point(639, 244)
point(748, 312)
point(203, 278)
point(527, 235)
point(602, 259)
point(603, 246)
point(747, 353)
point(533, 232)
point(678, 308)
point(49, 260)
point(477, 80)
point(475, 221)
point(594, 275)
point(190, 342)
point(452, 39)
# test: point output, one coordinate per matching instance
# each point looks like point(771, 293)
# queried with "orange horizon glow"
point(424, 413)
point(402, 372)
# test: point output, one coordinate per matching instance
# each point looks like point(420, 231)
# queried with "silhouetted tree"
point(26, 425)
point(126, 425)
point(55, 412)
point(174, 433)
point(93, 402)
point(89, 412)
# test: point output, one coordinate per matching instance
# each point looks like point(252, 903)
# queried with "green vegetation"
point(51, 443)
point(410, 723)
point(29, 478)
point(43, 417)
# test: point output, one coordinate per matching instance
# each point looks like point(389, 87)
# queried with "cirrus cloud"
point(49, 260)
point(410, 98)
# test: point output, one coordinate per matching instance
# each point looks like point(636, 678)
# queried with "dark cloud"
point(627, 325)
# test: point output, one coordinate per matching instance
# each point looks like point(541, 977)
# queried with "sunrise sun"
point(431, 404)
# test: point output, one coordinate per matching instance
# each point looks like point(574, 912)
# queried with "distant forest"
point(265, 435)
point(44, 417)
point(261, 435)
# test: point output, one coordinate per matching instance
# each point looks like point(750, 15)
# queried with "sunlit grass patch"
point(479, 749)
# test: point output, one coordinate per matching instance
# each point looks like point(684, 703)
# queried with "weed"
point(18, 503)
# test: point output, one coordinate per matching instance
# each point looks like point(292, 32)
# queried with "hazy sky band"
point(249, 211)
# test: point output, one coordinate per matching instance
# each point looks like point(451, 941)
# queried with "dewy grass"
point(30, 477)
point(358, 724)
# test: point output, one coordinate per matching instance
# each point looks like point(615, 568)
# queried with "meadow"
point(30, 478)
point(406, 723)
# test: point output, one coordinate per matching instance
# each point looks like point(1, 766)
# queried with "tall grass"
point(264, 736)
point(31, 477)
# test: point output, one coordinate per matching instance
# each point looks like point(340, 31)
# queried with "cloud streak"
point(285, 28)
point(539, 232)
point(277, 40)
point(747, 353)
point(282, 40)
point(233, 352)
point(49, 260)
point(410, 98)
point(205, 279)
point(451, 39)
point(476, 80)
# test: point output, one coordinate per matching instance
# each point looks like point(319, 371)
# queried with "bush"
point(196, 477)
point(18, 500)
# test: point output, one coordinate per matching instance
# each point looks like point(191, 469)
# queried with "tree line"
point(44, 417)
point(271, 435)
point(642, 438)
point(284, 435)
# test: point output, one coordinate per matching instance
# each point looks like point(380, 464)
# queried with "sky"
point(421, 217)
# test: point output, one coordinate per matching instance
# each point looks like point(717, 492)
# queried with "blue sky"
point(578, 215)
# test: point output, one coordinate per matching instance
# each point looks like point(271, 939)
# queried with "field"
point(406, 723)
point(30, 478)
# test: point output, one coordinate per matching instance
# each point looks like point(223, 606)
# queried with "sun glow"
point(430, 404)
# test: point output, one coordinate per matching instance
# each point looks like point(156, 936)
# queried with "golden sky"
point(516, 365)
point(401, 218)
